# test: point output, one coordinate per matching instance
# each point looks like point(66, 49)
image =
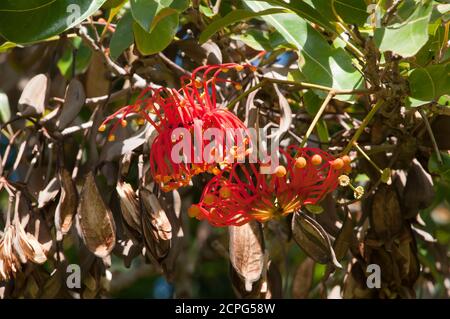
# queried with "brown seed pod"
point(67, 205)
point(247, 252)
point(313, 239)
point(95, 220)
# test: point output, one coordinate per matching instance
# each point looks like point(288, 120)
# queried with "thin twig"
point(173, 65)
point(430, 132)
point(363, 125)
point(115, 68)
point(301, 85)
point(317, 117)
point(76, 128)
point(390, 12)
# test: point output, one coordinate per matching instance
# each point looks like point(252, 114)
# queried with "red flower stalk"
point(243, 194)
point(193, 108)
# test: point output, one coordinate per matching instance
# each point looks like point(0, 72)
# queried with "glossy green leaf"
point(429, 83)
point(148, 12)
point(350, 11)
point(123, 37)
point(323, 64)
point(25, 21)
point(233, 17)
point(305, 11)
point(159, 38)
point(406, 38)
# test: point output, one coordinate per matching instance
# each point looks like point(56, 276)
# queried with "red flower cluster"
point(193, 107)
point(234, 198)
point(238, 192)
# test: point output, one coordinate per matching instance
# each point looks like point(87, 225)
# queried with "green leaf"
point(82, 60)
point(429, 83)
point(406, 38)
point(350, 11)
point(323, 64)
point(147, 13)
point(206, 11)
point(233, 17)
point(5, 111)
point(115, 10)
point(25, 21)
point(305, 11)
point(256, 39)
point(159, 38)
point(123, 37)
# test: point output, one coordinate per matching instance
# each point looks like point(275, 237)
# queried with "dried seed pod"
point(247, 252)
point(27, 246)
point(49, 193)
point(419, 191)
point(32, 100)
point(129, 206)
point(385, 218)
point(313, 239)
point(274, 283)
point(9, 263)
point(67, 205)
point(157, 228)
point(95, 220)
point(128, 250)
point(73, 102)
point(344, 238)
point(239, 286)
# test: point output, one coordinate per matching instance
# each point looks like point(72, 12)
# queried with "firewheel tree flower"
point(177, 115)
point(244, 193)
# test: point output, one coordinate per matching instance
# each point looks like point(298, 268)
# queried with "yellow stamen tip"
point(225, 192)
point(280, 171)
point(111, 138)
point(300, 162)
point(239, 67)
point(224, 70)
point(238, 86)
point(124, 123)
point(102, 128)
point(316, 159)
point(198, 84)
point(346, 159)
point(140, 122)
point(337, 164)
point(209, 199)
point(193, 211)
